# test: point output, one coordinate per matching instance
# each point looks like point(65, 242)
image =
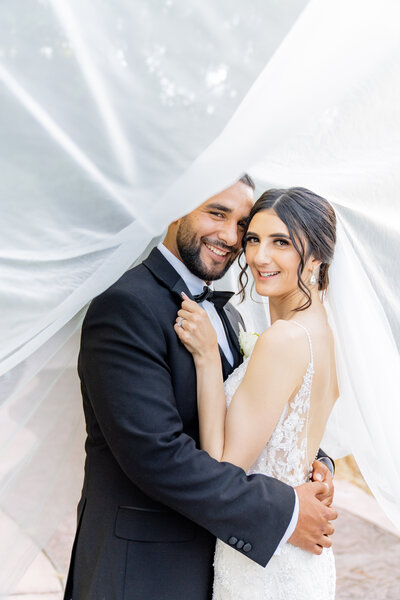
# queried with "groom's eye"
point(217, 214)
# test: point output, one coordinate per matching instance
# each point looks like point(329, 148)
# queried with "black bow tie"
point(219, 299)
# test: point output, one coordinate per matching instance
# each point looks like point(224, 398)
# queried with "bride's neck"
point(284, 307)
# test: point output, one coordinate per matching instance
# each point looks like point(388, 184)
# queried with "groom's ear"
point(170, 237)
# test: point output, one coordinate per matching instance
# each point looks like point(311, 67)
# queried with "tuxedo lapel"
point(231, 335)
point(166, 274)
point(227, 368)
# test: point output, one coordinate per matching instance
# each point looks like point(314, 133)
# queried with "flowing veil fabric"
point(119, 118)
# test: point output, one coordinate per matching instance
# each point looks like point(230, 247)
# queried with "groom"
point(152, 501)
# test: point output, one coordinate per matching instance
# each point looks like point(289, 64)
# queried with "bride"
point(271, 415)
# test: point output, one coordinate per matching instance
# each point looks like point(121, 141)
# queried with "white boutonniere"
point(247, 341)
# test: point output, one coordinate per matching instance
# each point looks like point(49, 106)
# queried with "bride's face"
point(271, 256)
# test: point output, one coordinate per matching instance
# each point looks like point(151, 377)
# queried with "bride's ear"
point(312, 267)
point(313, 264)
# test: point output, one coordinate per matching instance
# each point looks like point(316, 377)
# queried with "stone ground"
point(366, 549)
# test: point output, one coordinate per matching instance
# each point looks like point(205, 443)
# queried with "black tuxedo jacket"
point(152, 501)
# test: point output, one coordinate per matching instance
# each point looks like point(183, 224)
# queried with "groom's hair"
point(247, 180)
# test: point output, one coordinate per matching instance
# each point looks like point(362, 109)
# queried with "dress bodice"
point(285, 454)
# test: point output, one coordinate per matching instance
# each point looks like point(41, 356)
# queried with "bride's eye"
point(251, 239)
point(281, 243)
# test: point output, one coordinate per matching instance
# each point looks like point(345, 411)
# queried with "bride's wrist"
point(206, 358)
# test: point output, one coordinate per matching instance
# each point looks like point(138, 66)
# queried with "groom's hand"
point(313, 526)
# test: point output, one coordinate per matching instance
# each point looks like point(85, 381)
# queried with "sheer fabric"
point(119, 118)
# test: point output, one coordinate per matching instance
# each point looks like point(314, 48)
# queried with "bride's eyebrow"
point(280, 235)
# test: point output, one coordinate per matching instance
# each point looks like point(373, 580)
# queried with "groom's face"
point(209, 238)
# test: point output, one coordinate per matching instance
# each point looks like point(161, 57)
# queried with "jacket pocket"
point(150, 525)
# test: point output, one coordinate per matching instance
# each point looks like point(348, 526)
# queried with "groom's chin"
point(213, 273)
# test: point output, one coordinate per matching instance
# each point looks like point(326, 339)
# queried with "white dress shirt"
point(195, 286)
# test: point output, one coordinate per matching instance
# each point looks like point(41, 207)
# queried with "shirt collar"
point(194, 284)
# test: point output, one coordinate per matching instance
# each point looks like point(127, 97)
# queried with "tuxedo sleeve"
point(125, 372)
point(327, 460)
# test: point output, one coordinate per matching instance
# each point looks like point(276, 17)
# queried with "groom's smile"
point(217, 251)
point(221, 254)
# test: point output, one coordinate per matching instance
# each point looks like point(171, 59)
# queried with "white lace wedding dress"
point(292, 573)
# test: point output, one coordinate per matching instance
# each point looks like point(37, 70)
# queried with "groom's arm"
point(126, 376)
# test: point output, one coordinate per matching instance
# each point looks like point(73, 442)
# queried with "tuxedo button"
point(232, 541)
point(240, 544)
point(247, 547)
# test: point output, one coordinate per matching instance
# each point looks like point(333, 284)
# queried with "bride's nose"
point(262, 256)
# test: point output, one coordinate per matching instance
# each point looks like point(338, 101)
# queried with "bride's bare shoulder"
point(283, 339)
point(282, 332)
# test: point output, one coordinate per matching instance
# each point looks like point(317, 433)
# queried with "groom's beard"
point(190, 247)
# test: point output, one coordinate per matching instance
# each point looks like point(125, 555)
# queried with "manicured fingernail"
point(318, 477)
point(184, 295)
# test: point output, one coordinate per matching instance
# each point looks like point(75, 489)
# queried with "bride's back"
point(324, 391)
point(324, 387)
point(290, 451)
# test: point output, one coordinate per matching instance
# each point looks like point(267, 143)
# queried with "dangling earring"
point(313, 279)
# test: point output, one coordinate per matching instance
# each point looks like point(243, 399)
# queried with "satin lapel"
point(164, 272)
point(227, 368)
point(232, 338)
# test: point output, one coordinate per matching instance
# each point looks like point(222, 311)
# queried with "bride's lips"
point(217, 253)
point(266, 275)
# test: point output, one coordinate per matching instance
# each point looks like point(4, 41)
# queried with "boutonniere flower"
point(247, 341)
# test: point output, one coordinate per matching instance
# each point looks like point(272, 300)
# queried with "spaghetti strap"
point(309, 341)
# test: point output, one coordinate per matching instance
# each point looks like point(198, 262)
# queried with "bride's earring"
point(313, 279)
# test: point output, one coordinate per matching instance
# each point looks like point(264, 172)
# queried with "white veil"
point(115, 121)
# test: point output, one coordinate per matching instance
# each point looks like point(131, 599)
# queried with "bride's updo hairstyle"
point(311, 222)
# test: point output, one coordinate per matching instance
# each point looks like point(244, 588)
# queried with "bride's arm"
point(211, 404)
point(274, 371)
point(200, 338)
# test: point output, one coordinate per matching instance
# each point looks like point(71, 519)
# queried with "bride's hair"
point(311, 222)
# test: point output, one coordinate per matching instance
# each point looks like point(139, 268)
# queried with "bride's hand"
point(194, 329)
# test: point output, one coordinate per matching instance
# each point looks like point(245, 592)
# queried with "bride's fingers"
point(186, 323)
point(190, 305)
point(184, 314)
point(179, 331)
point(195, 318)
point(183, 334)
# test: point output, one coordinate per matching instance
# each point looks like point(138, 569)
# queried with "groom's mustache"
point(222, 246)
